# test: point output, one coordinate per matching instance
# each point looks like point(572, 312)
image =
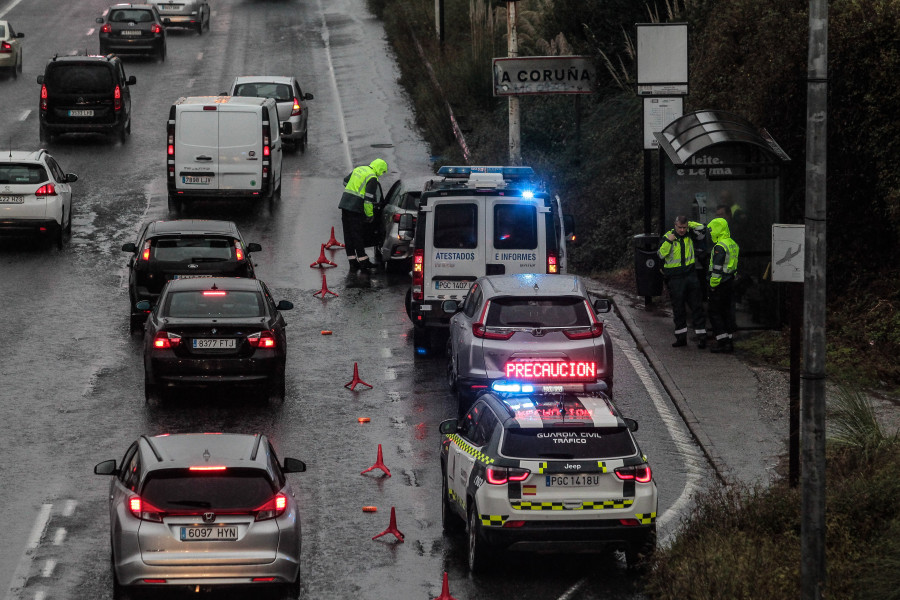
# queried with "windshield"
point(201, 304)
point(566, 311)
point(192, 249)
point(568, 443)
point(232, 489)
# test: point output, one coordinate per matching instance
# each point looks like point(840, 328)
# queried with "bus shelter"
point(717, 161)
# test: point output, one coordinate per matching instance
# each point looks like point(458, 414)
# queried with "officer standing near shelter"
point(357, 210)
point(720, 279)
point(679, 271)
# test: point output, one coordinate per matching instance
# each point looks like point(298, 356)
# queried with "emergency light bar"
point(551, 370)
point(515, 387)
point(507, 172)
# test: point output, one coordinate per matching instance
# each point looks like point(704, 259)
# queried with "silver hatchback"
point(289, 98)
point(203, 510)
point(192, 14)
point(530, 328)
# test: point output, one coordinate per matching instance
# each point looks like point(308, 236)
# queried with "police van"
point(476, 221)
point(223, 147)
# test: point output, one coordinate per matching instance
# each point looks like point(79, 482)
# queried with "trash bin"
point(647, 265)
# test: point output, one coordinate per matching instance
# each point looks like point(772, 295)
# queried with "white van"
point(478, 221)
point(223, 147)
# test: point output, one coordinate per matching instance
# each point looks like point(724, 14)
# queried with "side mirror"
point(20, 35)
point(107, 467)
point(253, 247)
point(450, 306)
point(129, 247)
point(449, 426)
point(407, 223)
point(307, 96)
point(285, 305)
point(602, 305)
point(132, 80)
point(40, 79)
point(144, 305)
point(293, 465)
point(569, 227)
point(167, 21)
point(71, 177)
point(287, 128)
point(99, 20)
point(632, 424)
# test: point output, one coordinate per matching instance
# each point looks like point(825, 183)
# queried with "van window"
point(456, 226)
point(515, 227)
point(81, 79)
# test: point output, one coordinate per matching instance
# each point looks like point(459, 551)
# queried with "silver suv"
point(203, 510)
point(528, 328)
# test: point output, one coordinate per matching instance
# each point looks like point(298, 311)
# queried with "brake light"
point(155, 29)
point(144, 510)
point(145, 253)
point(107, 28)
point(6, 48)
point(639, 473)
point(396, 218)
point(480, 331)
point(206, 468)
point(238, 253)
point(263, 339)
point(46, 190)
point(273, 508)
point(514, 524)
point(552, 266)
point(215, 293)
point(502, 475)
point(166, 339)
point(43, 97)
point(595, 331)
point(296, 109)
point(418, 274)
point(117, 98)
point(266, 150)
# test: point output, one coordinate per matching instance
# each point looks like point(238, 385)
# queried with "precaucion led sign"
point(552, 370)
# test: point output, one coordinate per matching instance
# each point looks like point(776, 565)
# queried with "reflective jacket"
point(359, 193)
point(724, 260)
point(678, 255)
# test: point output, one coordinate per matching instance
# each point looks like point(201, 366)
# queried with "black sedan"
point(134, 29)
point(216, 331)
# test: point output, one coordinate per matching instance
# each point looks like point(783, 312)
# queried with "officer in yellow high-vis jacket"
point(357, 209)
point(723, 265)
point(679, 271)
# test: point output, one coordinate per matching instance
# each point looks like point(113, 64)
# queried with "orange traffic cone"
point(356, 380)
point(379, 464)
point(324, 291)
point(322, 261)
point(392, 528)
point(445, 591)
point(332, 242)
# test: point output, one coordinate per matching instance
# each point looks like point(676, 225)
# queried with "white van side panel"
point(196, 149)
point(240, 150)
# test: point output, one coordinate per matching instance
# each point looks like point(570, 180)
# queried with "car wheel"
point(120, 134)
point(61, 232)
point(45, 135)
point(479, 555)
point(161, 55)
point(277, 389)
point(153, 394)
point(407, 301)
point(304, 142)
point(450, 521)
point(637, 554)
point(69, 223)
point(176, 205)
point(21, 60)
point(135, 323)
point(451, 370)
point(120, 592)
point(14, 72)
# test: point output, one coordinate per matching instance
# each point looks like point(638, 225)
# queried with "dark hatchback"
point(216, 331)
point(85, 94)
point(179, 249)
point(133, 29)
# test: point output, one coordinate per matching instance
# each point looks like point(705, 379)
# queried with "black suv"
point(85, 94)
point(183, 249)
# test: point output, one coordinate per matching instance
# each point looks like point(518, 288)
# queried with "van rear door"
point(454, 255)
point(516, 236)
point(196, 148)
point(240, 149)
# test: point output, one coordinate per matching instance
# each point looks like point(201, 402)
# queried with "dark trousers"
point(354, 224)
point(685, 291)
point(721, 309)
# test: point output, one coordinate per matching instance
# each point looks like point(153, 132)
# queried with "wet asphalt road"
point(71, 382)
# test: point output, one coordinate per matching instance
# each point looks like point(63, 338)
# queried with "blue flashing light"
point(421, 351)
point(507, 172)
point(509, 387)
point(528, 194)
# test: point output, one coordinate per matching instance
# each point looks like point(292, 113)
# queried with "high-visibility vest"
point(719, 273)
point(678, 256)
point(359, 178)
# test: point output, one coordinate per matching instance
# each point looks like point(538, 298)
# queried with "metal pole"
point(796, 318)
point(515, 145)
point(812, 410)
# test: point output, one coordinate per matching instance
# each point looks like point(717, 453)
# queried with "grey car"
point(191, 14)
point(203, 510)
point(530, 328)
point(396, 224)
point(289, 98)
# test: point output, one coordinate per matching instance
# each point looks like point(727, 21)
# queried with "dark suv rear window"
point(182, 489)
point(538, 312)
point(568, 443)
point(12, 173)
point(456, 226)
point(192, 249)
point(208, 303)
point(80, 79)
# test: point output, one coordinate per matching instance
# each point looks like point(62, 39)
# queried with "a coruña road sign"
point(544, 75)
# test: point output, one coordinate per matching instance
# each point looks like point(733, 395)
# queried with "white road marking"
point(49, 566)
point(337, 96)
point(199, 56)
point(40, 595)
point(384, 334)
point(386, 353)
point(69, 509)
point(90, 31)
point(9, 7)
point(37, 532)
point(59, 537)
point(40, 524)
point(570, 593)
point(24, 114)
point(191, 81)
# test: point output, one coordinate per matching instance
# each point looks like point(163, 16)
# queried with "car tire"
point(14, 72)
point(638, 553)
point(153, 394)
point(305, 141)
point(69, 223)
point(176, 205)
point(21, 61)
point(61, 233)
point(120, 134)
point(120, 592)
point(452, 377)
point(407, 302)
point(161, 55)
point(135, 323)
point(479, 551)
point(451, 522)
point(277, 389)
point(44, 134)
